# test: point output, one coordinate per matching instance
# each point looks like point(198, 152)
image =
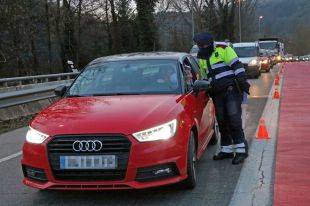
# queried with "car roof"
point(245, 44)
point(261, 42)
point(140, 56)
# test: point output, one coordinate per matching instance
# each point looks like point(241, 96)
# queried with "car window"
point(195, 67)
point(129, 77)
point(189, 74)
point(249, 51)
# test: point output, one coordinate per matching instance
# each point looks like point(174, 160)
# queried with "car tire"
point(216, 135)
point(191, 180)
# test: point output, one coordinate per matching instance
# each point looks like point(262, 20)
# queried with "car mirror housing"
point(201, 85)
point(60, 90)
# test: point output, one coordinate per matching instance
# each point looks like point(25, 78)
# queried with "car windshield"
point(246, 51)
point(128, 78)
point(268, 45)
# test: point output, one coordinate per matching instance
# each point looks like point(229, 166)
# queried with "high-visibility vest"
point(221, 73)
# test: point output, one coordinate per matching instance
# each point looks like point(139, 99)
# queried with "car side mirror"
point(60, 90)
point(201, 85)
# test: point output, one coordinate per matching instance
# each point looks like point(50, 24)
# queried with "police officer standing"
point(221, 66)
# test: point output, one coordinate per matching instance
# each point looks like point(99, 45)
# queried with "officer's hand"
point(245, 86)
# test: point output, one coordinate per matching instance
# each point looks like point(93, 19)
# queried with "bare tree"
point(116, 45)
point(49, 43)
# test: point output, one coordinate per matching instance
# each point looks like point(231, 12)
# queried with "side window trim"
point(195, 65)
point(187, 58)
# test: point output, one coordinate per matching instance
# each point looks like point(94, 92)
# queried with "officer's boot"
point(240, 157)
point(223, 155)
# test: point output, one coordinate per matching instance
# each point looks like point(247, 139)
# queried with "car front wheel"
point(191, 180)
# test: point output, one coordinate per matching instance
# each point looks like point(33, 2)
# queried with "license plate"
point(88, 162)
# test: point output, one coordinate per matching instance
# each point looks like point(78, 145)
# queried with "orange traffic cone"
point(276, 94)
point(262, 130)
point(276, 82)
point(277, 77)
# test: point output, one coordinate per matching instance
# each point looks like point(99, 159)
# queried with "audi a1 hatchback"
point(127, 121)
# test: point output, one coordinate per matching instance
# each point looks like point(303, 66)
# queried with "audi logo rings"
point(87, 146)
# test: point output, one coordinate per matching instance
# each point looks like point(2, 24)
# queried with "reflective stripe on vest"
point(218, 65)
point(233, 61)
point(224, 74)
point(237, 71)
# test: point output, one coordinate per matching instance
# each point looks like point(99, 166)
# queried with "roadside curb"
point(256, 181)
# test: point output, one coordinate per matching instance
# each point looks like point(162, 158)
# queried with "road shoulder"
point(255, 184)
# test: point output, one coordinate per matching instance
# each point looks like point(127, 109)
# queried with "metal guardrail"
point(35, 79)
point(26, 96)
point(9, 99)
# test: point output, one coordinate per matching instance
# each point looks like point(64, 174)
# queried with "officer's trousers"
point(228, 113)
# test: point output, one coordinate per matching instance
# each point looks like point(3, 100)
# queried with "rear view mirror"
point(201, 85)
point(60, 90)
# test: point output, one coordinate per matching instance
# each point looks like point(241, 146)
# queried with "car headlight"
point(264, 61)
point(161, 132)
point(278, 58)
point(253, 62)
point(35, 137)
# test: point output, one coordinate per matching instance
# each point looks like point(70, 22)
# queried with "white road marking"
point(10, 156)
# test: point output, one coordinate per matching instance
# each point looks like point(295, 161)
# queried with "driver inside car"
point(168, 77)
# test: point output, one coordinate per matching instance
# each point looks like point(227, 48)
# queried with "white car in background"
point(248, 53)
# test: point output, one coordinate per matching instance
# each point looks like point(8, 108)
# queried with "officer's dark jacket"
point(224, 67)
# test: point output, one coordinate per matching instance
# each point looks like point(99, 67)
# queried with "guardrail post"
point(35, 81)
point(68, 77)
point(58, 78)
point(5, 84)
point(46, 79)
point(20, 83)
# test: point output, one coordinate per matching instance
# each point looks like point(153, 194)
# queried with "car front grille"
point(118, 145)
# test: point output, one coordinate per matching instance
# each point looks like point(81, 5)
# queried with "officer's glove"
point(245, 86)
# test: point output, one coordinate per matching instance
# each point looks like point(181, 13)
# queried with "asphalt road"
point(217, 180)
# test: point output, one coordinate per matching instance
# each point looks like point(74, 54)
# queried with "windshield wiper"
point(116, 94)
point(77, 95)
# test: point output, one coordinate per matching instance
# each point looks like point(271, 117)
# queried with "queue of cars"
point(290, 58)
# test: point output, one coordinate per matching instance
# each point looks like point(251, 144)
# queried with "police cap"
point(203, 39)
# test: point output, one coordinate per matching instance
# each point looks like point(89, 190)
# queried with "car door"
point(199, 104)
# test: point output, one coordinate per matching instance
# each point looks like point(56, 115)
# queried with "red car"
point(127, 121)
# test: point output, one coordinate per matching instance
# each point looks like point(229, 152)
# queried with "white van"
point(248, 53)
